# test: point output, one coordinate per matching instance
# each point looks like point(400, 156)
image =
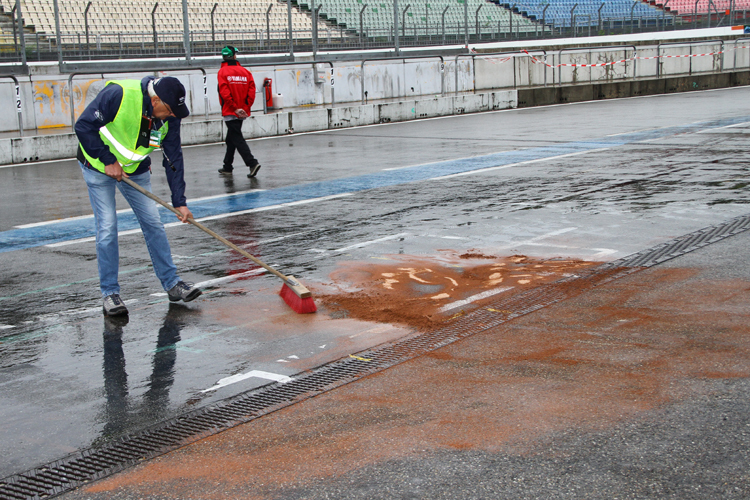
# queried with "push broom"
point(293, 292)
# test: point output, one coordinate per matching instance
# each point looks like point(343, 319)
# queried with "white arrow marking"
point(243, 376)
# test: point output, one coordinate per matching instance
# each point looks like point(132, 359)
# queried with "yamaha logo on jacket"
point(236, 88)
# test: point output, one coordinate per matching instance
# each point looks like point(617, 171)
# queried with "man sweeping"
point(236, 95)
point(125, 122)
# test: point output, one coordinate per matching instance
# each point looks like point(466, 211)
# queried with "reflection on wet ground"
point(121, 413)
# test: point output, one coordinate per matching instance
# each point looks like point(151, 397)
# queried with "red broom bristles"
point(298, 304)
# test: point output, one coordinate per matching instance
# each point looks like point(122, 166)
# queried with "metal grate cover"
point(95, 463)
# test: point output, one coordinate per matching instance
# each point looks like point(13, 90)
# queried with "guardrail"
point(403, 60)
point(19, 107)
point(483, 76)
point(512, 55)
point(72, 95)
point(298, 63)
point(690, 55)
point(592, 50)
point(558, 65)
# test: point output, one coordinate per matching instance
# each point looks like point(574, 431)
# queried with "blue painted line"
point(19, 239)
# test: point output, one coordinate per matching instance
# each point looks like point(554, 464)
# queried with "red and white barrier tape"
point(595, 65)
point(535, 60)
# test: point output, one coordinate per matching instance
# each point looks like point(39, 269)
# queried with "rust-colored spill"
point(618, 351)
point(420, 292)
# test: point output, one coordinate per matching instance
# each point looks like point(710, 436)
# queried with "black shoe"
point(114, 306)
point(225, 171)
point(254, 170)
point(184, 292)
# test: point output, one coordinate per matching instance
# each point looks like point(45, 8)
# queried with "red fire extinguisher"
point(267, 84)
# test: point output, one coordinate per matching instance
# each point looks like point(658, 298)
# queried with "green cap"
point(228, 51)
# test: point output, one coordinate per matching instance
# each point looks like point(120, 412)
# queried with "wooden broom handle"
point(207, 230)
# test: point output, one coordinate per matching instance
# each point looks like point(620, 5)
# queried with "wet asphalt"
point(596, 181)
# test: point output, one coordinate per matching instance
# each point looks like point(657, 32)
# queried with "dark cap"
point(171, 91)
point(228, 52)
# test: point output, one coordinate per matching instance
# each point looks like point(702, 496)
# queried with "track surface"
point(591, 181)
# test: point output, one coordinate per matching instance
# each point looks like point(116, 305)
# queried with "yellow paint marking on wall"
point(81, 90)
point(44, 93)
point(53, 99)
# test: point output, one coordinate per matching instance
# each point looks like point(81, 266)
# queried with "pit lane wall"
point(331, 95)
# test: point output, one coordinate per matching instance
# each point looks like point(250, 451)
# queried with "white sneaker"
point(114, 306)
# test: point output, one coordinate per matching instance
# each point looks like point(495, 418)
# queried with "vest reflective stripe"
point(130, 155)
point(121, 134)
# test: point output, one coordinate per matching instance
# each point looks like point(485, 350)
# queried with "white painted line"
point(743, 124)
point(228, 195)
point(272, 207)
point(527, 162)
point(212, 217)
point(231, 277)
point(439, 236)
point(225, 279)
point(433, 162)
point(602, 252)
point(129, 210)
point(474, 298)
point(57, 221)
point(637, 131)
point(178, 223)
point(92, 238)
point(532, 241)
point(77, 312)
point(244, 376)
point(371, 242)
point(72, 242)
point(715, 130)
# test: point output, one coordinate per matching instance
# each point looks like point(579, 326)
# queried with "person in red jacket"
point(236, 94)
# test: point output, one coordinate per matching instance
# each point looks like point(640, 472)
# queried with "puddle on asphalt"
point(422, 292)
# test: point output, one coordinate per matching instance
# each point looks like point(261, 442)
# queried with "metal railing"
point(690, 55)
point(403, 60)
point(263, 39)
point(511, 55)
point(488, 74)
point(72, 94)
point(19, 104)
point(617, 48)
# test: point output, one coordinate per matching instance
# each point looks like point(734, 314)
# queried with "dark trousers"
point(235, 141)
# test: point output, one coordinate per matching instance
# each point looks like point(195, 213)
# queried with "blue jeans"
point(102, 195)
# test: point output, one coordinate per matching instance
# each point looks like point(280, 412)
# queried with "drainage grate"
point(73, 471)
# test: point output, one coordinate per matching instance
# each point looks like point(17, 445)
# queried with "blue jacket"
point(103, 110)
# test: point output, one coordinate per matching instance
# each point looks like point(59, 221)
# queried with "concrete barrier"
point(589, 92)
point(196, 131)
